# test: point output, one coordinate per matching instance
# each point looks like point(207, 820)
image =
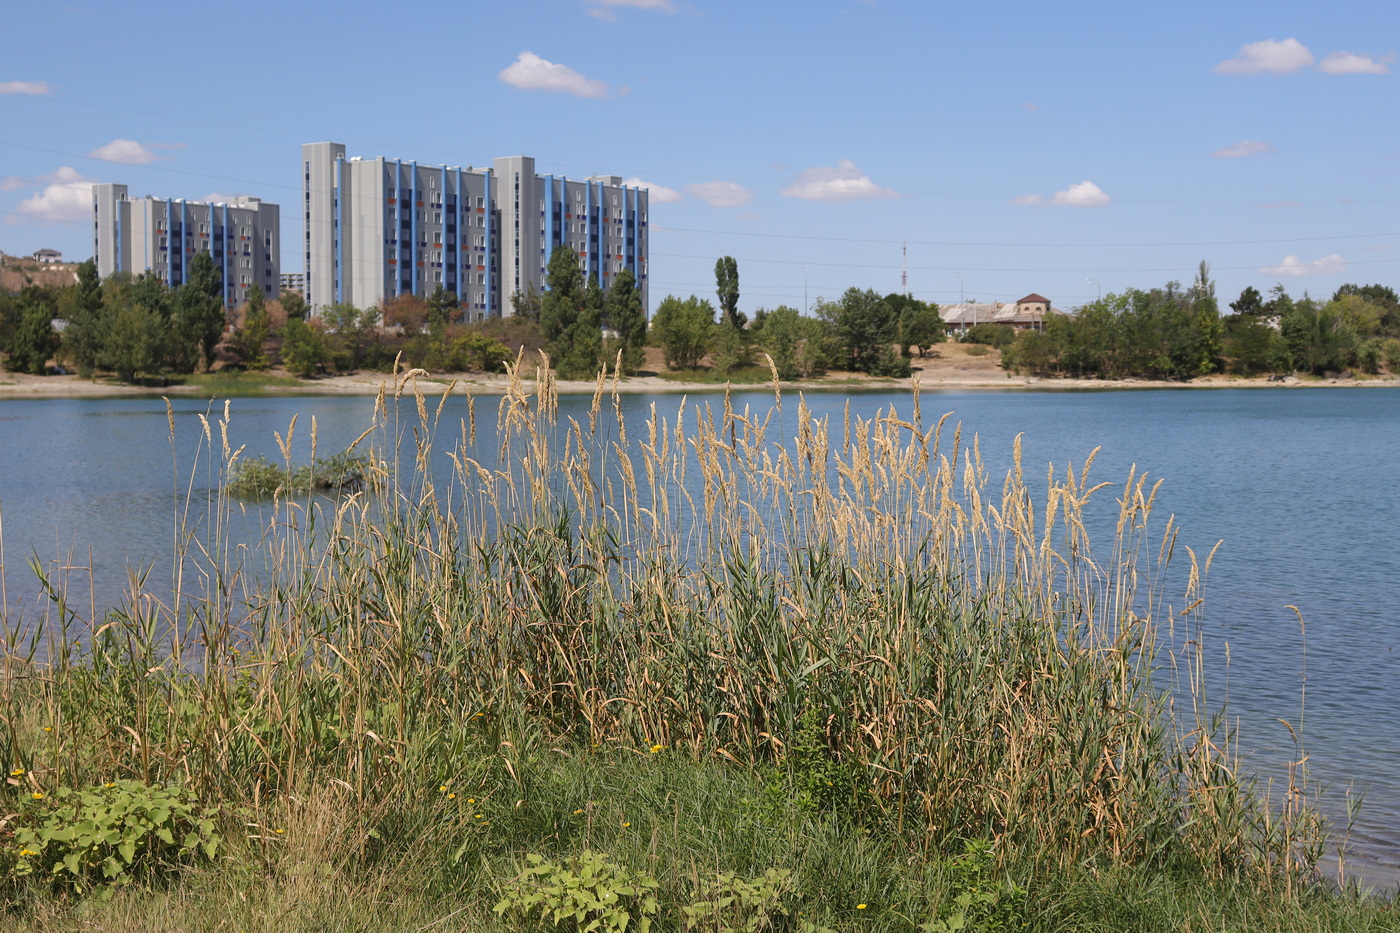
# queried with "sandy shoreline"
point(931, 379)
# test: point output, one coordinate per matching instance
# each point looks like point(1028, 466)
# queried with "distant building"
point(379, 228)
point(1028, 313)
point(294, 282)
point(136, 235)
point(48, 255)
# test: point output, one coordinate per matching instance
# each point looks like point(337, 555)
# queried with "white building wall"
point(163, 236)
point(318, 168)
point(485, 234)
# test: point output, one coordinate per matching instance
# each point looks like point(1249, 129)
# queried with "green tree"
point(1249, 303)
point(293, 304)
point(1208, 339)
point(443, 308)
point(249, 338)
point(136, 335)
point(82, 339)
point(304, 348)
point(571, 317)
point(583, 354)
point(1383, 298)
point(473, 350)
point(918, 324)
point(1252, 345)
point(348, 328)
point(626, 320)
point(864, 326)
point(197, 314)
point(28, 339)
point(683, 329)
point(528, 305)
point(727, 290)
point(9, 319)
point(793, 342)
point(1320, 339)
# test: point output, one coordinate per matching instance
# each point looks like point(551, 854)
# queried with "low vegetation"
point(1179, 333)
point(684, 674)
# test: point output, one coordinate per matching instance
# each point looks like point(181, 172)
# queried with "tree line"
point(137, 326)
point(1173, 332)
point(862, 331)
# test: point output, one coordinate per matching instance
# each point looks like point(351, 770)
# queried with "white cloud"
point(532, 73)
point(656, 194)
point(1243, 149)
point(721, 193)
point(839, 182)
point(67, 195)
point(1270, 55)
point(603, 9)
point(24, 87)
point(125, 151)
point(1349, 63)
point(1294, 267)
point(1083, 194)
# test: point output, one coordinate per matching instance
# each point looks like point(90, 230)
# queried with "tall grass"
point(859, 606)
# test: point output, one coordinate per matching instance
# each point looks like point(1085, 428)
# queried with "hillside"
point(17, 272)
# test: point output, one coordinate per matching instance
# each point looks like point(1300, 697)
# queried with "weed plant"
point(836, 674)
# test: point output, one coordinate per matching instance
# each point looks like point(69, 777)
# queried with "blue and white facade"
point(379, 228)
point(163, 235)
point(601, 219)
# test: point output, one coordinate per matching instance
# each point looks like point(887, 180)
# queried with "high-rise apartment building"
point(378, 228)
point(162, 235)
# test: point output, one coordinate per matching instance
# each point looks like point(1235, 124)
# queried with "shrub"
point(991, 335)
point(586, 893)
point(112, 834)
point(259, 477)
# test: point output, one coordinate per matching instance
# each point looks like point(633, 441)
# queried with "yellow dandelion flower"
point(279, 831)
point(48, 728)
point(656, 748)
point(18, 772)
point(625, 825)
point(37, 796)
point(442, 789)
point(25, 853)
point(577, 812)
point(860, 907)
point(478, 816)
point(451, 796)
point(471, 800)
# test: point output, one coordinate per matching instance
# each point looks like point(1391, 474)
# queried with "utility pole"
point(904, 270)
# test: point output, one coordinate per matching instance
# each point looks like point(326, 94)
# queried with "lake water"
point(1299, 484)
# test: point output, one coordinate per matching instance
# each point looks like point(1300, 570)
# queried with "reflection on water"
point(1296, 483)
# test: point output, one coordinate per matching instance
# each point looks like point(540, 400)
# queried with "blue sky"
point(1061, 148)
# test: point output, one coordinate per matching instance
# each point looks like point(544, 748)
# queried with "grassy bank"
point(714, 670)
